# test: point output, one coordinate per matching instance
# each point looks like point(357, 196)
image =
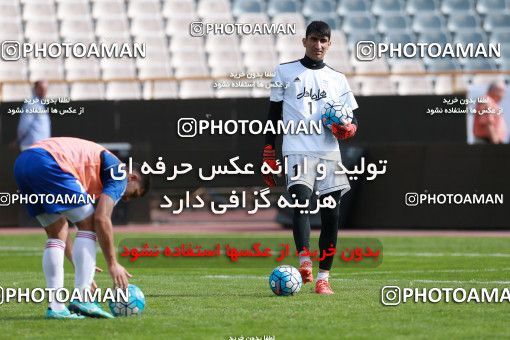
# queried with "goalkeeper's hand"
point(269, 158)
point(343, 132)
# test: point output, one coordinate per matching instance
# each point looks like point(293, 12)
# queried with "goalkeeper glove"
point(343, 132)
point(269, 158)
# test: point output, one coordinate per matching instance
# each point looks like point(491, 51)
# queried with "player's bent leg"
point(84, 258)
point(56, 228)
point(301, 230)
point(328, 238)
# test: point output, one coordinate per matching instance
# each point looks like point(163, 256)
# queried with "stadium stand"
point(181, 66)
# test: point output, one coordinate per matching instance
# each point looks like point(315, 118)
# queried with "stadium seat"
point(313, 8)
point(175, 25)
point(184, 43)
point(76, 28)
point(353, 7)
point(474, 37)
point(41, 11)
point(117, 68)
point(358, 23)
point(11, 29)
point(147, 27)
point(160, 89)
point(290, 55)
point(10, 10)
point(188, 58)
point(71, 10)
point(340, 65)
point(505, 66)
point(282, 6)
point(463, 22)
point(387, 7)
point(253, 18)
point(257, 42)
point(393, 23)
point(41, 30)
point(399, 37)
point(413, 85)
point(226, 57)
point(87, 91)
point(260, 60)
point(112, 9)
point(478, 64)
point(338, 38)
point(491, 6)
point(113, 27)
point(58, 90)
point(196, 70)
point(410, 65)
point(83, 68)
point(421, 7)
point(497, 22)
point(247, 6)
point(178, 8)
point(154, 70)
point(196, 89)
point(16, 92)
point(428, 22)
point(143, 8)
point(354, 37)
point(373, 66)
point(123, 90)
point(13, 70)
point(221, 42)
point(332, 20)
point(442, 64)
point(290, 41)
point(441, 38)
point(443, 85)
point(290, 18)
point(484, 79)
point(374, 86)
point(454, 7)
point(46, 68)
point(500, 37)
point(213, 8)
point(505, 54)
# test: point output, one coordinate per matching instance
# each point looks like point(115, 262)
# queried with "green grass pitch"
point(219, 303)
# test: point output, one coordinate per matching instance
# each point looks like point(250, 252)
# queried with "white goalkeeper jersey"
point(305, 86)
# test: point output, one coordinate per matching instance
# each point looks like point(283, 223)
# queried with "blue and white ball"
point(285, 280)
point(134, 306)
point(336, 112)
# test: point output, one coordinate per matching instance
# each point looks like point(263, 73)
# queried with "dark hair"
point(145, 180)
point(320, 28)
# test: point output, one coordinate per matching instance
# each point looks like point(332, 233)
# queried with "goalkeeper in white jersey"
point(300, 89)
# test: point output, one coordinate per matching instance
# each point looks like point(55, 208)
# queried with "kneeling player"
point(71, 168)
point(300, 90)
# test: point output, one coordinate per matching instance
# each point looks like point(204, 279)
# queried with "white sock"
point(322, 276)
point(84, 258)
point(53, 267)
point(304, 258)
